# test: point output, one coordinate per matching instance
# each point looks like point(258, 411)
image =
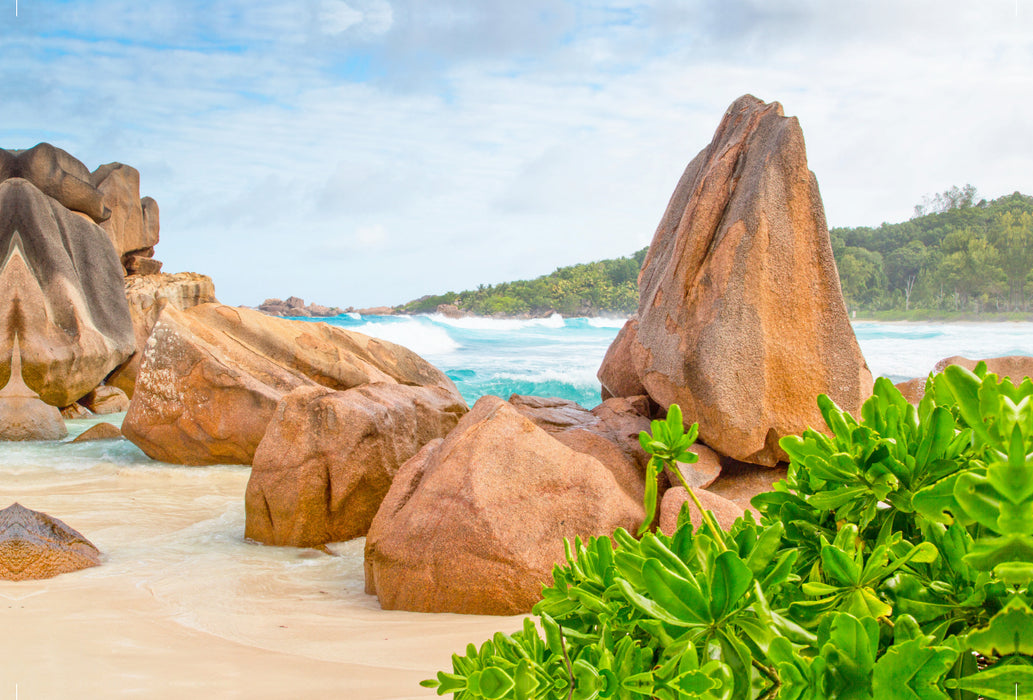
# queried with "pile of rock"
point(79, 286)
point(466, 511)
point(295, 306)
point(109, 196)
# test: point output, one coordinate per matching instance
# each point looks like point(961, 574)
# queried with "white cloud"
point(336, 16)
point(483, 143)
point(373, 17)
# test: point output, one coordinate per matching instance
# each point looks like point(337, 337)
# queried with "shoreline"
point(916, 318)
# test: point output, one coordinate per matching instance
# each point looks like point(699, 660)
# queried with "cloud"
point(375, 17)
point(361, 152)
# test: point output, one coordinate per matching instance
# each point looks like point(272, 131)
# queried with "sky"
point(368, 152)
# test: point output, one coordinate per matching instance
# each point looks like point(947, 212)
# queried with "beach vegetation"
point(590, 289)
point(955, 259)
point(955, 255)
point(894, 561)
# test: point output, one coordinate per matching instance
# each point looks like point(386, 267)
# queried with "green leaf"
point(492, 683)
point(912, 671)
point(649, 500)
point(839, 565)
point(731, 579)
point(681, 598)
point(999, 682)
point(1010, 631)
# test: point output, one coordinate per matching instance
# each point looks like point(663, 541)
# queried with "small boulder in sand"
point(34, 545)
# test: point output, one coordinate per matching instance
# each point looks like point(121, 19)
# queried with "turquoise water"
point(559, 357)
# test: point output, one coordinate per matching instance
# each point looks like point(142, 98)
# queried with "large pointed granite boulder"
point(61, 292)
point(34, 545)
point(23, 414)
point(741, 319)
point(328, 458)
point(212, 376)
point(474, 523)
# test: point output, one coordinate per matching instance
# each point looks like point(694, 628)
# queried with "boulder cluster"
point(296, 307)
point(741, 322)
point(76, 253)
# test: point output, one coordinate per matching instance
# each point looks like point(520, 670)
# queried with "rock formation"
point(725, 512)
point(23, 414)
point(328, 457)
point(101, 431)
point(147, 295)
point(609, 433)
point(110, 196)
point(295, 306)
point(34, 545)
point(1014, 367)
point(61, 291)
point(104, 400)
point(475, 522)
point(212, 376)
point(58, 175)
point(741, 319)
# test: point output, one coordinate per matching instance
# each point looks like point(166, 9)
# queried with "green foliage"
point(956, 254)
point(894, 561)
point(608, 286)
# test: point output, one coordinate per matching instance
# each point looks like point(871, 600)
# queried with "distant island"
point(956, 258)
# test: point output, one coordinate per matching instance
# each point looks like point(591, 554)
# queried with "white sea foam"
point(482, 323)
point(580, 377)
point(904, 350)
point(354, 316)
point(607, 322)
point(422, 338)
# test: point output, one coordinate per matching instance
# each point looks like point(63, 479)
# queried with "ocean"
point(184, 606)
point(558, 356)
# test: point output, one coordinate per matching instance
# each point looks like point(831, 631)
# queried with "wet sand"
point(183, 607)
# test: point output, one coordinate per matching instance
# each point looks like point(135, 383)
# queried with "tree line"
point(955, 254)
point(587, 289)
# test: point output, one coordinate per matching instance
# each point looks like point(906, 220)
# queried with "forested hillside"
point(588, 289)
point(954, 255)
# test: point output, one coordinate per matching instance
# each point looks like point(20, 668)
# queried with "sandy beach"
point(182, 606)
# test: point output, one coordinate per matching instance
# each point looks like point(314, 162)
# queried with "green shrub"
point(894, 561)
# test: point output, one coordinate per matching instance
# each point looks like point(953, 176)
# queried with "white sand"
point(183, 607)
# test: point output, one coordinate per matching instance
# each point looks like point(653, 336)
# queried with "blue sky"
point(360, 152)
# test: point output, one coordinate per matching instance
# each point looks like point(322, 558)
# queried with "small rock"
point(912, 389)
point(34, 545)
point(739, 482)
point(101, 431)
point(701, 473)
point(725, 512)
point(106, 399)
point(74, 411)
